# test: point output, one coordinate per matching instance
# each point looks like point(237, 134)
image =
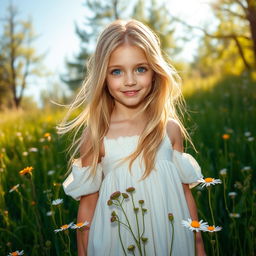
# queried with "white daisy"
point(194, 225)
point(247, 134)
point(33, 150)
point(223, 172)
point(234, 215)
point(209, 181)
point(250, 139)
point(50, 213)
point(80, 225)
point(246, 168)
point(232, 194)
point(51, 172)
point(63, 227)
point(16, 253)
point(57, 201)
point(212, 228)
point(14, 188)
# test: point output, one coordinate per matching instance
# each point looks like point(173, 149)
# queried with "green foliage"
point(230, 49)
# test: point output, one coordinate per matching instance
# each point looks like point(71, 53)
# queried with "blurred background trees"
point(18, 59)
point(227, 47)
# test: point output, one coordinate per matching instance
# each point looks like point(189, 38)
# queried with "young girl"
point(131, 137)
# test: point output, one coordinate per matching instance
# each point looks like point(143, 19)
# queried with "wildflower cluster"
point(117, 199)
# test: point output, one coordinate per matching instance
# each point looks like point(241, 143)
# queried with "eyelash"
point(112, 71)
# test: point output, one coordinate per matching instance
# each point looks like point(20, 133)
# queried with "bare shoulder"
point(85, 145)
point(175, 135)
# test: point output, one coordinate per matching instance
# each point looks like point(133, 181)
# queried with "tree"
point(18, 59)
point(157, 17)
point(102, 12)
point(231, 47)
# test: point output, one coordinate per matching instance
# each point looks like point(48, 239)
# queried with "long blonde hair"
point(162, 103)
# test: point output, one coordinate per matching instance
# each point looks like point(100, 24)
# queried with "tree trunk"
point(251, 15)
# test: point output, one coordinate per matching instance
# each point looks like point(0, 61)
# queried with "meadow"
point(222, 124)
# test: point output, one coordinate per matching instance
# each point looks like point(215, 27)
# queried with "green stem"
point(130, 227)
point(172, 237)
point(21, 206)
point(225, 198)
point(194, 242)
point(144, 249)
point(68, 244)
point(37, 214)
point(137, 222)
point(143, 221)
point(119, 233)
point(213, 221)
point(56, 226)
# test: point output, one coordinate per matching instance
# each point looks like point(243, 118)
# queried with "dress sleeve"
point(78, 183)
point(188, 168)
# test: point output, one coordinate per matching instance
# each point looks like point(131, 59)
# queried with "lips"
point(131, 93)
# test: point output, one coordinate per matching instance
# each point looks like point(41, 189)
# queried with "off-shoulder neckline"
point(122, 137)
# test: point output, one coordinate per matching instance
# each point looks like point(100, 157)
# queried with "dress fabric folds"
point(161, 191)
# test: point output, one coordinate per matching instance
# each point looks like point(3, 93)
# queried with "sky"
point(54, 23)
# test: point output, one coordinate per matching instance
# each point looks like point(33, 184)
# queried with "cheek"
point(112, 84)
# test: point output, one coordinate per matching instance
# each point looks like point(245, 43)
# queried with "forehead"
point(127, 55)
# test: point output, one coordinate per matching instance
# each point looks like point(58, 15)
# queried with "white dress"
point(161, 191)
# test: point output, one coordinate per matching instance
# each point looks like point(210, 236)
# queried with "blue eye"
point(116, 72)
point(141, 69)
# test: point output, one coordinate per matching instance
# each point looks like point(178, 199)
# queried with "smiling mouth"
point(131, 93)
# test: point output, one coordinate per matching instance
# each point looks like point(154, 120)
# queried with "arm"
point(86, 210)
point(174, 133)
point(87, 206)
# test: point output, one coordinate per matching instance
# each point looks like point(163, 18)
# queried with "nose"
point(130, 80)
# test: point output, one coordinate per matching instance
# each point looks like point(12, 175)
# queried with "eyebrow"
point(120, 66)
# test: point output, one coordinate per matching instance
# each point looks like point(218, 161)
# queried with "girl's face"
point(129, 76)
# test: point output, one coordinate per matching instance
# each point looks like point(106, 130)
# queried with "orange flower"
point(26, 170)
point(47, 134)
point(225, 136)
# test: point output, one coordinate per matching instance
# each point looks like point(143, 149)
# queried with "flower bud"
point(131, 247)
point(136, 209)
point(141, 202)
point(113, 219)
point(113, 213)
point(130, 189)
point(125, 195)
point(170, 216)
point(110, 202)
point(115, 195)
point(144, 209)
point(144, 239)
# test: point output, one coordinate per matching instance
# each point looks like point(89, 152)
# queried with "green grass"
point(229, 107)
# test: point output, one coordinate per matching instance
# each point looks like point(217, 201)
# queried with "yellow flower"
point(47, 134)
point(225, 136)
point(26, 170)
